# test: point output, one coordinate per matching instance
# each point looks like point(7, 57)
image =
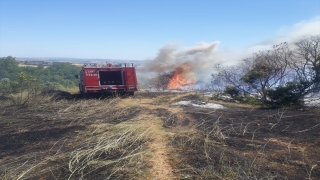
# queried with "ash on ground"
point(199, 104)
point(312, 100)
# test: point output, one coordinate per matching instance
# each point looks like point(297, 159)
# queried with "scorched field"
point(156, 135)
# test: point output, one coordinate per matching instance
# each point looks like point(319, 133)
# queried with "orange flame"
point(178, 81)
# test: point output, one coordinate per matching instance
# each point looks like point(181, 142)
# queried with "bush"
point(222, 97)
point(5, 86)
point(22, 90)
point(216, 96)
point(232, 91)
point(290, 94)
point(253, 100)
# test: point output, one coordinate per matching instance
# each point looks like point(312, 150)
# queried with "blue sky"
point(136, 29)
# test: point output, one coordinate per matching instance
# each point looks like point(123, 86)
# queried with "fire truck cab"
point(108, 78)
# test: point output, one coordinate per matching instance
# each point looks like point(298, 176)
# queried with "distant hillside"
point(79, 60)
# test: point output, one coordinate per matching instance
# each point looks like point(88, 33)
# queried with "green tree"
point(259, 77)
point(26, 86)
point(285, 95)
point(5, 86)
point(232, 91)
point(8, 67)
point(263, 71)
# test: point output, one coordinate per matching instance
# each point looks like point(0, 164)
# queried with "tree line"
point(15, 79)
point(282, 75)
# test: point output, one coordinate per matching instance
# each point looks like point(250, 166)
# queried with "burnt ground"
point(232, 143)
point(31, 135)
point(249, 143)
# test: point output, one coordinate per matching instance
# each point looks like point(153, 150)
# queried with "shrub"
point(5, 86)
point(232, 91)
point(290, 94)
point(216, 96)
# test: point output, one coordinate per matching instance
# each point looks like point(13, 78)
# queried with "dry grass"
point(72, 139)
point(62, 136)
point(242, 143)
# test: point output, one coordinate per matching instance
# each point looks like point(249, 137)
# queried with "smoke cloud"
point(193, 62)
point(198, 61)
point(289, 34)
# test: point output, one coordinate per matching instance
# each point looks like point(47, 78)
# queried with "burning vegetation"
point(178, 69)
point(181, 79)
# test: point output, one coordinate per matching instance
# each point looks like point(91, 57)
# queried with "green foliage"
point(250, 99)
point(223, 97)
point(232, 91)
point(58, 76)
point(24, 82)
point(216, 96)
point(8, 67)
point(232, 94)
point(281, 75)
point(58, 73)
point(53, 86)
point(290, 94)
point(26, 87)
point(22, 90)
point(287, 95)
point(5, 85)
point(260, 71)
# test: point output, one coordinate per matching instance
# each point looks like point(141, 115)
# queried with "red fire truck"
point(108, 78)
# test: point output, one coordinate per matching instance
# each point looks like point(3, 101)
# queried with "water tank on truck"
point(108, 78)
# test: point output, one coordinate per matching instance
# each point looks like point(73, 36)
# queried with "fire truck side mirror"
point(76, 76)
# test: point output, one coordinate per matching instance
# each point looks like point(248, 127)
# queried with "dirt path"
point(163, 159)
point(160, 159)
point(161, 168)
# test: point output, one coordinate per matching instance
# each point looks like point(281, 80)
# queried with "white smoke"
point(290, 35)
point(199, 59)
point(202, 57)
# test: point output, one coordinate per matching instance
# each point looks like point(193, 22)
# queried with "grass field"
point(64, 136)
